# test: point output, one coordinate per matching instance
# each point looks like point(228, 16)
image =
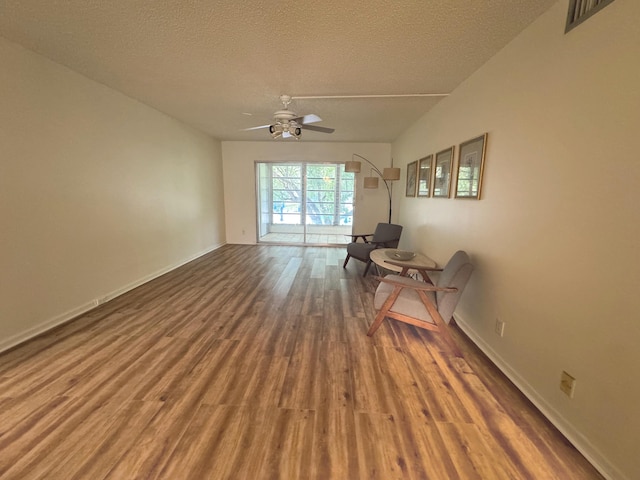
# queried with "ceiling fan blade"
point(311, 118)
point(256, 128)
point(316, 128)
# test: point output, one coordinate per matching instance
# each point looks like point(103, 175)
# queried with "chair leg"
point(376, 324)
point(346, 260)
point(448, 339)
point(443, 328)
point(366, 269)
point(388, 303)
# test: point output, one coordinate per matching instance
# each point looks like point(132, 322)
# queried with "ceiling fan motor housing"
point(284, 115)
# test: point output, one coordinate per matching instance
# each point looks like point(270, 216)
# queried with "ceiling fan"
point(288, 124)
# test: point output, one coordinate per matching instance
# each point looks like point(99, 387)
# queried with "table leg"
point(425, 276)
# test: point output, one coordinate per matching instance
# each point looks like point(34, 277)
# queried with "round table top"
point(379, 256)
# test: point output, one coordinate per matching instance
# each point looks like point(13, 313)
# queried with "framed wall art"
point(412, 175)
point(425, 166)
point(442, 173)
point(470, 167)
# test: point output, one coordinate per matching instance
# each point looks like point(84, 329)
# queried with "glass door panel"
point(304, 203)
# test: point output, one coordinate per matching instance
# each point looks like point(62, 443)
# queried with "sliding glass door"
point(308, 203)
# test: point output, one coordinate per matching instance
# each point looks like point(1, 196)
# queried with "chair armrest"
point(354, 237)
point(427, 287)
point(413, 265)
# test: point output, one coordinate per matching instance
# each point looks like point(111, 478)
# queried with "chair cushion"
point(360, 251)
point(408, 303)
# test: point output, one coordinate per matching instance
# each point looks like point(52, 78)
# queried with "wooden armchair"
point(423, 304)
point(387, 235)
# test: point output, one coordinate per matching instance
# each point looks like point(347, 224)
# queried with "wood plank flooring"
point(252, 362)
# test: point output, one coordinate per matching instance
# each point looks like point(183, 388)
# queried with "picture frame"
point(442, 173)
point(412, 175)
point(470, 168)
point(425, 167)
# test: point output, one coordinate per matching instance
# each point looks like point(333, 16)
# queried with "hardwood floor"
point(252, 362)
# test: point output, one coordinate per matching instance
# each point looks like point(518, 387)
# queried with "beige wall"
point(555, 236)
point(372, 206)
point(98, 192)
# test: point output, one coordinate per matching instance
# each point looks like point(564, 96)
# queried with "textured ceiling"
point(209, 63)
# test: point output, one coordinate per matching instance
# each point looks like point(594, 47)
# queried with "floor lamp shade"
point(352, 166)
point(370, 182)
point(389, 175)
point(392, 173)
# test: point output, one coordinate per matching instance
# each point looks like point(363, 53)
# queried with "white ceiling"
point(208, 63)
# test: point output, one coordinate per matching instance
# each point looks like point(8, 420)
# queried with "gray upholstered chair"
point(387, 235)
point(423, 304)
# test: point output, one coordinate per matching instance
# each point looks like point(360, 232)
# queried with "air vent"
point(580, 10)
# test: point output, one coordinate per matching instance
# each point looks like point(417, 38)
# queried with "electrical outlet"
point(567, 384)
point(499, 328)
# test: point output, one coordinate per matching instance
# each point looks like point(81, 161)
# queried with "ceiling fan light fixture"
point(295, 132)
point(276, 130)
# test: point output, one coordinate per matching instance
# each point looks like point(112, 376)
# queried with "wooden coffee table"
point(383, 257)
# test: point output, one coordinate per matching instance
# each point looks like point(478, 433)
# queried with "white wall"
point(98, 192)
point(555, 237)
point(372, 206)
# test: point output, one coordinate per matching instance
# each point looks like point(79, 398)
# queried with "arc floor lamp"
point(387, 175)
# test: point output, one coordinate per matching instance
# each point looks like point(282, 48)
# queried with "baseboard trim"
point(577, 439)
point(69, 315)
